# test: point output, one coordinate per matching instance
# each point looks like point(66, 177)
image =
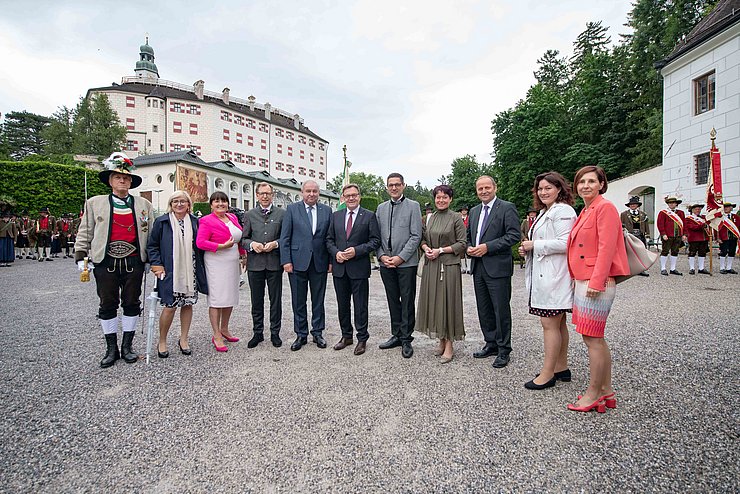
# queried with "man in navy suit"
point(304, 257)
point(353, 234)
point(493, 228)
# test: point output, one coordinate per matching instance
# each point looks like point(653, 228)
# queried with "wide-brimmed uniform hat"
point(634, 200)
point(696, 205)
point(44, 210)
point(675, 199)
point(119, 163)
point(729, 204)
point(532, 210)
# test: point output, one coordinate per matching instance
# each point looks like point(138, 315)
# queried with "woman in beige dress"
point(440, 312)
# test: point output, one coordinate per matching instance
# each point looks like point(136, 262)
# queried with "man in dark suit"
point(260, 238)
point(304, 257)
point(353, 234)
point(492, 230)
point(400, 235)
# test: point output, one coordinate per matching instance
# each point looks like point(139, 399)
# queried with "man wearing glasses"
point(260, 238)
point(400, 235)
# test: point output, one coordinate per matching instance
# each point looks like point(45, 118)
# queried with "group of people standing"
point(42, 238)
point(677, 229)
point(572, 262)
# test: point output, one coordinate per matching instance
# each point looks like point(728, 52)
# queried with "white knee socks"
point(701, 263)
point(129, 323)
point(692, 263)
point(673, 262)
point(663, 260)
point(110, 326)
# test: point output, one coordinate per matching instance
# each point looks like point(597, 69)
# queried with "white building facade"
point(164, 116)
point(701, 91)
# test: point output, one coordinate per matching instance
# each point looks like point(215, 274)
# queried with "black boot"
point(126, 352)
point(111, 351)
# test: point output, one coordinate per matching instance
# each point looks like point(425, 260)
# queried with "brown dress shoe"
point(360, 348)
point(343, 343)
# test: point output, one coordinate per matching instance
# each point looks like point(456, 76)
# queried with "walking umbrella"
point(153, 299)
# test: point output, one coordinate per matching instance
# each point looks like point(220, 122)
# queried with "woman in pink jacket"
point(218, 235)
point(596, 254)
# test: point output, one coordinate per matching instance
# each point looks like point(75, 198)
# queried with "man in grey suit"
point(260, 238)
point(304, 257)
point(353, 234)
point(493, 229)
point(400, 235)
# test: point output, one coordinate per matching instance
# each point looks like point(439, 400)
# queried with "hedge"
point(32, 185)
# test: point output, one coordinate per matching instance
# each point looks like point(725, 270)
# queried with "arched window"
point(158, 179)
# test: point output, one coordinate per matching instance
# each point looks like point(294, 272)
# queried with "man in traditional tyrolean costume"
point(696, 232)
point(113, 235)
point(66, 232)
point(45, 229)
point(636, 222)
point(729, 232)
point(670, 223)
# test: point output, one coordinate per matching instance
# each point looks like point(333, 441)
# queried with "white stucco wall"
point(686, 135)
point(640, 184)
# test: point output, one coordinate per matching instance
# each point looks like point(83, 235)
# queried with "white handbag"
point(640, 259)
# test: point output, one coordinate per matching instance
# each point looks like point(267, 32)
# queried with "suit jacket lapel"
point(473, 221)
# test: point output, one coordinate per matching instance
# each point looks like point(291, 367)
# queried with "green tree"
point(370, 184)
point(97, 129)
point(465, 171)
point(22, 134)
point(58, 134)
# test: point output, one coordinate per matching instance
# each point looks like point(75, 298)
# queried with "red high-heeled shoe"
point(609, 400)
point(219, 348)
point(230, 339)
point(597, 405)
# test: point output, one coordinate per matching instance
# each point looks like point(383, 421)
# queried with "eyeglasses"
point(264, 193)
point(180, 201)
point(351, 196)
point(394, 186)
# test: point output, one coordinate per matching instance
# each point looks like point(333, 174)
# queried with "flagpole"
point(713, 149)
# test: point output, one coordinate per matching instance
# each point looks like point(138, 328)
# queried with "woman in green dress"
point(440, 309)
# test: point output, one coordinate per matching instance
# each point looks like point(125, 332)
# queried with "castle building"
point(163, 117)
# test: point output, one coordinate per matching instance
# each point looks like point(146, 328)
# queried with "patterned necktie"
point(265, 211)
point(485, 222)
point(349, 224)
point(310, 219)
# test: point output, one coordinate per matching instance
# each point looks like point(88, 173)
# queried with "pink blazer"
point(596, 245)
point(212, 231)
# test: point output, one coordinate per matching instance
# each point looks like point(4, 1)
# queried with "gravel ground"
point(324, 421)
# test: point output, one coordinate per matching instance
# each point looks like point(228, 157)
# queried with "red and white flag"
point(714, 189)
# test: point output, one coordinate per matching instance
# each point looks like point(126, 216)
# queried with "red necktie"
point(349, 224)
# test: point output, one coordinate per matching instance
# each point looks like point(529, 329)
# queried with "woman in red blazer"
point(596, 254)
point(218, 235)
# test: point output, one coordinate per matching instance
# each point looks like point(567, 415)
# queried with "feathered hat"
point(119, 163)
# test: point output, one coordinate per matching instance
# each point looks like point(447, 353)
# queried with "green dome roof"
point(145, 48)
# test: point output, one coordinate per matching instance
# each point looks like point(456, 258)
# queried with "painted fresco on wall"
point(194, 182)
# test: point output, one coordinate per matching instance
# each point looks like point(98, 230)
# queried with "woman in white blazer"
point(548, 280)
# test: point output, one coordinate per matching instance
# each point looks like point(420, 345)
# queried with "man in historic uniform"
point(527, 223)
point(636, 222)
point(261, 237)
point(113, 235)
point(65, 230)
point(25, 226)
point(729, 231)
point(695, 227)
point(670, 224)
point(45, 228)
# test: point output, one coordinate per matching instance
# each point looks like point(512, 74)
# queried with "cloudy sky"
point(407, 85)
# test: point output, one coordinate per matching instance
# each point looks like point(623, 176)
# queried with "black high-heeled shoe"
point(163, 354)
point(563, 375)
point(184, 351)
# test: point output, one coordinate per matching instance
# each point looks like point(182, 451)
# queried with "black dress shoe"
point(298, 343)
point(343, 343)
point(563, 375)
point(673, 271)
point(488, 350)
point(644, 274)
point(276, 341)
point(691, 271)
point(703, 271)
point(163, 354)
point(406, 349)
point(664, 272)
point(501, 361)
point(392, 342)
point(320, 341)
point(184, 351)
point(532, 385)
point(731, 271)
point(256, 340)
